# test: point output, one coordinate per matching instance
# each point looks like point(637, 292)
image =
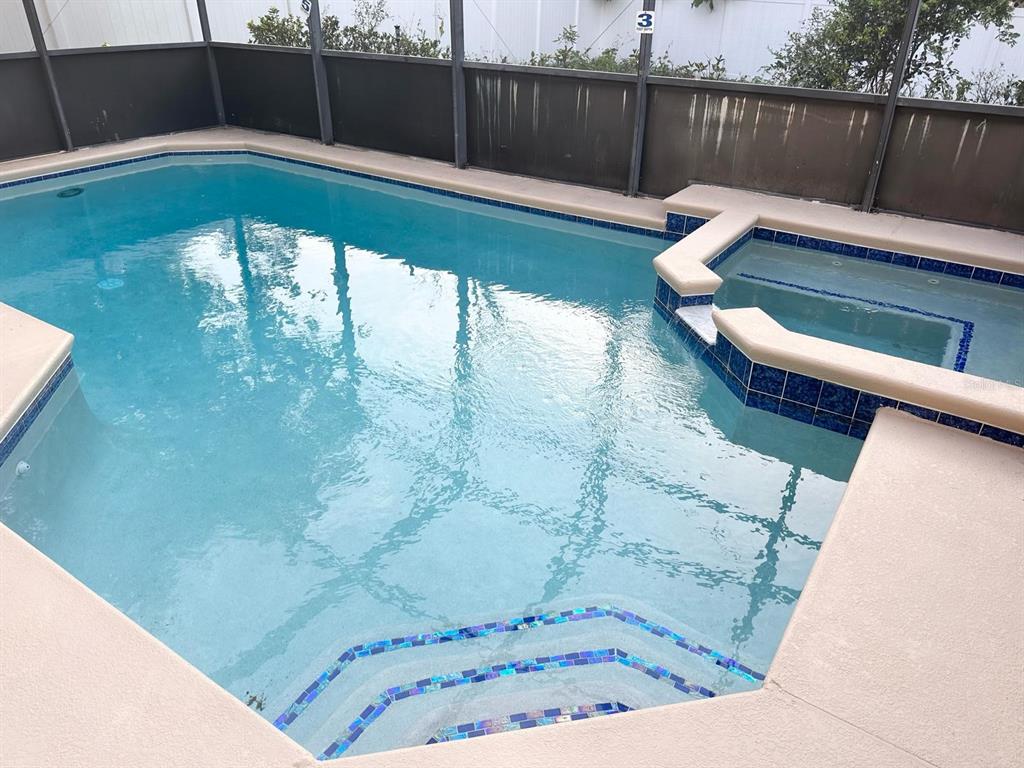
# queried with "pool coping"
point(68, 704)
point(489, 199)
point(975, 246)
point(487, 186)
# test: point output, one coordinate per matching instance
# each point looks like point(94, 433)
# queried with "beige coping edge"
point(975, 246)
point(539, 193)
point(683, 265)
point(911, 626)
point(31, 351)
point(763, 340)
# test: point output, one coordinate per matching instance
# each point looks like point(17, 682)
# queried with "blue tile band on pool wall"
point(813, 401)
point(25, 421)
point(896, 258)
point(523, 720)
point(734, 246)
point(966, 326)
point(379, 705)
point(682, 224)
point(612, 225)
point(670, 301)
point(517, 624)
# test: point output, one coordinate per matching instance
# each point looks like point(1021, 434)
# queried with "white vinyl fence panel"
point(14, 32)
point(92, 23)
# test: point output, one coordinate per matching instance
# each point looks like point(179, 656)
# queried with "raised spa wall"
point(830, 385)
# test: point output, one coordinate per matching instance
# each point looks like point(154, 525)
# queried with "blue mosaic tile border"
point(734, 246)
point(522, 720)
point(379, 705)
point(27, 419)
point(517, 624)
point(589, 221)
point(682, 224)
point(897, 258)
point(966, 326)
point(811, 400)
point(670, 301)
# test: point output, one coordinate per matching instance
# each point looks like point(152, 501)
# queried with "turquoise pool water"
point(932, 318)
point(310, 412)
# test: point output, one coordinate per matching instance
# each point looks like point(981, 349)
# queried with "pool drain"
point(110, 283)
point(70, 192)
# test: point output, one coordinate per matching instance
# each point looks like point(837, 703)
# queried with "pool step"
point(515, 624)
point(531, 719)
point(475, 676)
point(698, 320)
point(620, 655)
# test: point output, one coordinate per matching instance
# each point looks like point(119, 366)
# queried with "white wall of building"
point(14, 34)
point(90, 23)
point(743, 31)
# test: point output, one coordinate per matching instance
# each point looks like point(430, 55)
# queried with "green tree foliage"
point(994, 86)
point(274, 29)
point(568, 56)
point(852, 46)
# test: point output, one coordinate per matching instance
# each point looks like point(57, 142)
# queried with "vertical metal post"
point(458, 82)
point(211, 60)
point(323, 100)
point(899, 72)
point(51, 82)
point(643, 70)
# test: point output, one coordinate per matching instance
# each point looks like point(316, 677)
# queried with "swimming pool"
point(933, 318)
point(335, 440)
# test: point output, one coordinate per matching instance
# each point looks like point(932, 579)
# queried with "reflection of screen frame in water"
point(941, 352)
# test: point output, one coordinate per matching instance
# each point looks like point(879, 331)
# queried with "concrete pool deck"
point(906, 648)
